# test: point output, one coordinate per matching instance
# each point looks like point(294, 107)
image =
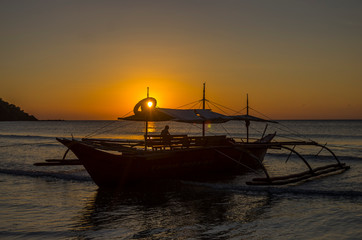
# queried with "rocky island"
point(10, 112)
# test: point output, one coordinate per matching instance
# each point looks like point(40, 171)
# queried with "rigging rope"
point(222, 125)
point(97, 130)
point(214, 103)
point(109, 130)
point(287, 129)
point(106, 125)
point(208, 105)
point(195, 102)
point(218, 108)
point(236, 161)
point(194, 105)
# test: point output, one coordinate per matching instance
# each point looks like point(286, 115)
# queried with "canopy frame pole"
point(266, 126)
point(146, 131)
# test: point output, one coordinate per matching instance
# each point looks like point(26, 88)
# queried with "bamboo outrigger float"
point(118, 162)
point(297, 177)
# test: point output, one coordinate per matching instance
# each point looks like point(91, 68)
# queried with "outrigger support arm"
point(300, 156)
point(321, 150)
point(290, 154)
point(329, 150)
point(65, 154)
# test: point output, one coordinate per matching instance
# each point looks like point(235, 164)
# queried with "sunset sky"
point(84, 59)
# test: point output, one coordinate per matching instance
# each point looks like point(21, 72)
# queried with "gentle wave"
point(39, 144)
point(33, 137)
point(319, 157)
point(14, 234)
point(13, 136)
point(278, 190)
point(53, 138)
point(62, 176)
point(320, 136)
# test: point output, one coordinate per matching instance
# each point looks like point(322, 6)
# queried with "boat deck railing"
point(159, 142)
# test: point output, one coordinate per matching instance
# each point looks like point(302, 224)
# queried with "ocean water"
point(62, 202)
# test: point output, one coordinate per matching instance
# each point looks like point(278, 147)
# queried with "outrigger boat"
point(113, 163)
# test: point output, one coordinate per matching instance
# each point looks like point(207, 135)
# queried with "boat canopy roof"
point(146, 110)
point(194, 115)
point(250, 118)
point(188, 116)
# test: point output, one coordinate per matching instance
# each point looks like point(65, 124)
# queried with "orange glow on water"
point(151, 127)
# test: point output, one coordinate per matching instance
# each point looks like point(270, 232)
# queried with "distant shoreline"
point(53, 120)
point(11, 112)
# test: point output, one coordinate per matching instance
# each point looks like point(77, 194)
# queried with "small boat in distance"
point(112, 163)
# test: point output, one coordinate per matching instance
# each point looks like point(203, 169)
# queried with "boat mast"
point(146, 133)
point(203, 107)
point(247, 122)
point(247, 104)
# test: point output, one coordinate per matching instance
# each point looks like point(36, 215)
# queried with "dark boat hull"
point(108, 169)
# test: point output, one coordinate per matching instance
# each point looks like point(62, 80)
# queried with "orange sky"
point(95, 59)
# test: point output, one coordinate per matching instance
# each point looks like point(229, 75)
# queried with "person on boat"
point(165, 131)
point(166, 135)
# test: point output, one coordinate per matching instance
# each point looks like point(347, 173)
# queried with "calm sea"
point(63, 202)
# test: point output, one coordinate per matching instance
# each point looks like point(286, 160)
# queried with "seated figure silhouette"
point(166, 136)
